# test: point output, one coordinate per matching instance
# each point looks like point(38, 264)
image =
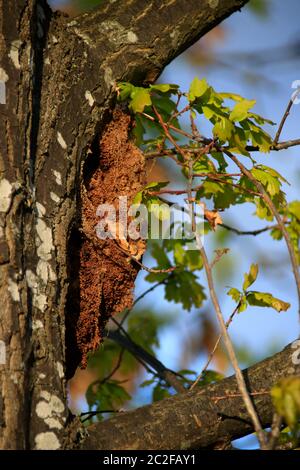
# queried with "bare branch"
point(228, 343)
point(249, 232)
point(171, 424)
point(211, 355)
point(284, 118)
point(143, 356)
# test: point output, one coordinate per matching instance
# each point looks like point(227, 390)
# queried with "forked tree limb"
point(200, 418)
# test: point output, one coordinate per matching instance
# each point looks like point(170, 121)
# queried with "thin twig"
point(218, 175)
point(195, 150)
point(249, 232)
point(239, 395)
point(140, 297)
point(240, 188)
point(287, 112)
point(115, 369)
point(275, 431)
point(276, 214)
point(229, 346)
point(149, 270)
point(167, 133)
point(152, 270)
point(145, 358)
point(239, 376)
point(285, 145)
point(94, 413)
point(211, 355)
point(129, 344)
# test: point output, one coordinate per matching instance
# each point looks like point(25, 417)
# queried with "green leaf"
point(146, 383)
point(221, 161)
point(286, 399)
point(264, 299)
point(138, 198)
point(160, 392)
point(250, 278)
point(165, 87)
point(259, 138)
point(156, 186)
point(203, 165)
point(235, 294)
point(223, 129)
point(197, 88)
point(163, 262)
point(262, 210)
point(294, 209)
point(240, 110)
point(210, 377)
point(106, 395)
point(260, 120)
point(182, 287)
point(140, 97)
point(125, 90)
point(165, 106)
point(143, 328)
point(273, 172)
point(271, 183)
point(260, 7)
point(231, 96)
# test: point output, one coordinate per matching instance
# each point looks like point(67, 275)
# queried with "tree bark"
point(58, 77)
point(199, 419)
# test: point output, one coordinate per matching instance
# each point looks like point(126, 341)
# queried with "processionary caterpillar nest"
point(106, 272)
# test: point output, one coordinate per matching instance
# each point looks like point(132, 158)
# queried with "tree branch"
point(146, 358)
point(196, 419)
point(147, 34)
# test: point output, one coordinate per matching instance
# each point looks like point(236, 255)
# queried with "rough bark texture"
point(59, 80)
point(197, 419)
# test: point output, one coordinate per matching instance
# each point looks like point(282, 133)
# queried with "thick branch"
point(200, 418)
point(151, 33)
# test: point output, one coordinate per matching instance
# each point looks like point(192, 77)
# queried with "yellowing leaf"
point(223, 129)
point(250, 278)
point(271, 183)
point(264, 299)
point(165, 87)
point(231, 96)
point(213, 218)
point(140, 97)
point(294, 209)
point(286, 399)
point(197, 88)
point(156, 186)
point(243, 304)
point(240, 110)
point(235, 294)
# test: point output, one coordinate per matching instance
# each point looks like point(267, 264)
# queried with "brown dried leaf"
point(213, 218)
